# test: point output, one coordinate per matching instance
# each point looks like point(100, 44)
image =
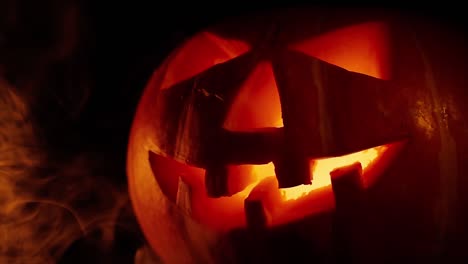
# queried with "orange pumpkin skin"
point(343, 84)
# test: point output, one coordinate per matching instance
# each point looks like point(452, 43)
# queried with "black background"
point(85, 101)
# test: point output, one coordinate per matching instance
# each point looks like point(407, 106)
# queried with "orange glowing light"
point(321, 169)
point(361, 48)
point(258, 93)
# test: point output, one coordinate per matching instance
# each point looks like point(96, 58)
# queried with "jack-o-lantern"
point(297, 135)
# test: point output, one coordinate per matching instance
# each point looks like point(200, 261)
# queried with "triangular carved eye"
point(198, 54)
point(361, 48)
point(257, 105)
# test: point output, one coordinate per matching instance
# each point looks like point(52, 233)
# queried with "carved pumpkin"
point(293, 135)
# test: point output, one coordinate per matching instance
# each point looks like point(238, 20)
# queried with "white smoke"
point(45, 205)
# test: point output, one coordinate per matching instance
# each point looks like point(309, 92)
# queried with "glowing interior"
point(361, 48)
point(258, 92)
point(321, 169)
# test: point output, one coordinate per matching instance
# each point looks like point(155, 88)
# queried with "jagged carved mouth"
point(253, 189)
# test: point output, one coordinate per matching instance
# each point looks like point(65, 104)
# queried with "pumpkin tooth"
point(216, 180)
point(348, 189)
point(347, 185)
point(292, 170)
point(257, 212)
